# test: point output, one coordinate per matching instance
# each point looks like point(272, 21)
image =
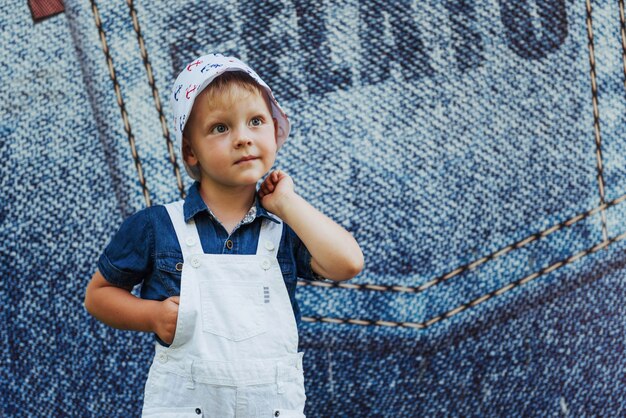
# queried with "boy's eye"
point(219, 129)
point(256, 122)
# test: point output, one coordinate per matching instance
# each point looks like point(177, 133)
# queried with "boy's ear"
point(188, 155)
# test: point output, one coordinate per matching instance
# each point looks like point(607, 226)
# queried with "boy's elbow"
point(88, 302)
point(351, 268)
point(357, 265)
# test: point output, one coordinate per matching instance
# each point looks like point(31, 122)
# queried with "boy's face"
point(232, 139)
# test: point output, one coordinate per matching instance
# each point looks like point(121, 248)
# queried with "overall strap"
point(269, 237)
point(186, 232)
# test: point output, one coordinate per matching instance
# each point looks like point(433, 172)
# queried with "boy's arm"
point(118, 308)
point(335, 253)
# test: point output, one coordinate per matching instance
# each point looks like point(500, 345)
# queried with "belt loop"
point(190, 383)
point(279, 381)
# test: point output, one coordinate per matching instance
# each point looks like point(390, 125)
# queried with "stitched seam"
point(596, 115)
point(474, 264)
point(157, 99)
point(474, 302)
point(623, 32)
point(120, 103)
point(510, 286)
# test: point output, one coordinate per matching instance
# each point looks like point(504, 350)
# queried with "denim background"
point(455, 139)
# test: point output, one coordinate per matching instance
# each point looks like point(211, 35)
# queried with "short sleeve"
point(303, 259)
point(127, 259)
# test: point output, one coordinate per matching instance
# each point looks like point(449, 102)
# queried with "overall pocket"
point(166, 395)
point(233, 309)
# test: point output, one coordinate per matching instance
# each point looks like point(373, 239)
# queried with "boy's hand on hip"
point(275, 191)
point(165, 319)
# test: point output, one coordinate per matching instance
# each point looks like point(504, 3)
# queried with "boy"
point(218, 270)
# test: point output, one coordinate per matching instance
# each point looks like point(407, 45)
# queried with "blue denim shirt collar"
point(195, 204)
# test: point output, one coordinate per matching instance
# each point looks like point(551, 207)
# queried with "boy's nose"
point(242, 140)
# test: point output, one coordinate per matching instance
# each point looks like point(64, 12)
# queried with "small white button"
point(269, 245)
point(163, 358)
point(190, 242)
point(266, 264)
point(195, 262)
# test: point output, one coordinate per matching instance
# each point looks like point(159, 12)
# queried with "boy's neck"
point(228, 205)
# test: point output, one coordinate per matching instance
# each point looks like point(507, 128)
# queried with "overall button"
point(195, 262)
point(179, 266)
point(229, 244)
point(266, 264)
point(190, 242)
point(269, 245)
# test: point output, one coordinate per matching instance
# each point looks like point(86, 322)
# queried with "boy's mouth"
point(246, 158)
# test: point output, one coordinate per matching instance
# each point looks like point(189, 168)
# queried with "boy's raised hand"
point(335, 254)
point(165, 319)
point(275, 190)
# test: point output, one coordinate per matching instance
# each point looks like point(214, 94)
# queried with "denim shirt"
point(145, 249)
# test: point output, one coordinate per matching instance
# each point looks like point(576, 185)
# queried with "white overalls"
point(235, 351)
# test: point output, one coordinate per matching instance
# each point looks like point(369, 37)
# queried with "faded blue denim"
point(437, 132)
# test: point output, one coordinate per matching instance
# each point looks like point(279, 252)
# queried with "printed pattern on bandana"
point(197, 75)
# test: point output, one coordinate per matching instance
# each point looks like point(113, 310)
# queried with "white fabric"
point(235, 349)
